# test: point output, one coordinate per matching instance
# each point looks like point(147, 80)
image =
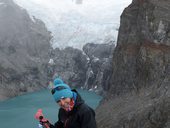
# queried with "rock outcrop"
point(68, 64)
point(24, 45)
point(99, 66)
point(89, 69)
point(139, 93)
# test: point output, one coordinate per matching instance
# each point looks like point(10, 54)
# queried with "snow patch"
point(161, 33)
point(88, 59)
point(161, 28)
point(51, 61)
point(95, 59)
point(90, 89)
point(32, 18)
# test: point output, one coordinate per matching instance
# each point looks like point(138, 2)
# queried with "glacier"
point(74, 25)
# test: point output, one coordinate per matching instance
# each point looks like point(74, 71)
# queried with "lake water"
point(19, 112)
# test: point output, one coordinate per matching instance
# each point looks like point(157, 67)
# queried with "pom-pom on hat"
point(58, 81)
point(61, 90)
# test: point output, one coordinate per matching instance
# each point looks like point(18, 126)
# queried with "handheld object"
point(43, 122)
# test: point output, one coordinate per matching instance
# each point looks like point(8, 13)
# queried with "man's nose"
point(61, 102)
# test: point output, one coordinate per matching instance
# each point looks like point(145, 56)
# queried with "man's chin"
point(66, 108)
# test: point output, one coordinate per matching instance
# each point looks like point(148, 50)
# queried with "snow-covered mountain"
point(74, 24)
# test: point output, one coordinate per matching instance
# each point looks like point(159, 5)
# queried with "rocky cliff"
point(139, 93)
point(99, 66)
point(89, 69)
point(24, 45)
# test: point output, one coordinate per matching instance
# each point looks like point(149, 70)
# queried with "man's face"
point(64, 103)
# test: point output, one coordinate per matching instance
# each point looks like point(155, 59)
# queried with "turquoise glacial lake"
point(19, 112)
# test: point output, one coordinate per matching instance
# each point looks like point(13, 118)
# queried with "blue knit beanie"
point(61, 90)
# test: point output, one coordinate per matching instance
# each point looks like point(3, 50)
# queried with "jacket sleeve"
point(58, 124)
point(87, 119)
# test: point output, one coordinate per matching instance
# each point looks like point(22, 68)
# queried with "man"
point(73, 112)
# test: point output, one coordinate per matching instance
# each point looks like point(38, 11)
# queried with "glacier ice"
point(73, 24)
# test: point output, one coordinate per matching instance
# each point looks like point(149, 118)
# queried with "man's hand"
point(45, 123)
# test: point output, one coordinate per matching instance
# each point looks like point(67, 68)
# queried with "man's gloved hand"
point(43, 121)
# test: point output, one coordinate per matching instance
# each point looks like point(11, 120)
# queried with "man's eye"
point(58, 101)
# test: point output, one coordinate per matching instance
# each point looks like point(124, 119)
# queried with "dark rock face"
point(98, 50)
point(141, 57)
point(69, 64)
point(88, 69)
point(24, 45)
point(99, 66)
point(140, 82)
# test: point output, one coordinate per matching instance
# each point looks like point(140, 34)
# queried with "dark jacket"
point(82, 116)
